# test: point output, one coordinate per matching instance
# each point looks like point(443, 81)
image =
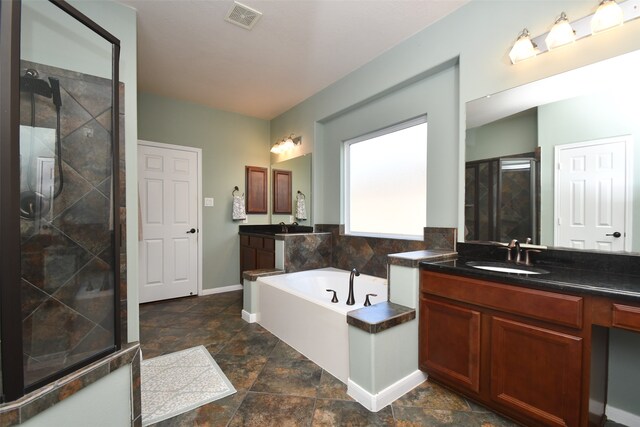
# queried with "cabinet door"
point(536, 371)
point(247, 259)
point(450, 343)
point(265, 259)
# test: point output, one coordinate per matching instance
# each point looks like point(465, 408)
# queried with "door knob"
point(614, 234)
point(193, 230)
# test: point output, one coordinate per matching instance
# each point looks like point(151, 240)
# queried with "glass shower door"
point(67, 206)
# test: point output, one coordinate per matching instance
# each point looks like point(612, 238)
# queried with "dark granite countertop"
point(273, 229)
point(380, 317)
point(559, 279)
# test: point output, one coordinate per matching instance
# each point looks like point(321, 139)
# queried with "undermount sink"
point(503, 267)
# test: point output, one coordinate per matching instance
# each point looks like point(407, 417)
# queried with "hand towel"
point(238, 208)
point(301, 208)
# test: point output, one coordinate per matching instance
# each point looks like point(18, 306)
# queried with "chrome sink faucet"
point(351, 300)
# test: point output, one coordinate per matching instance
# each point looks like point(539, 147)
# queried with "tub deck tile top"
point(253, 275)
point(380, 317)
point(413, 259)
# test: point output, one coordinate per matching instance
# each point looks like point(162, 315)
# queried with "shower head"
point(35, 85)
point(55, 92)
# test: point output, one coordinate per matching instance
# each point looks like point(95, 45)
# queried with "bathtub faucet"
point(351, 300)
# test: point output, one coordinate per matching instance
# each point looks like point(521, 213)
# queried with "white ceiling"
point(186, 50)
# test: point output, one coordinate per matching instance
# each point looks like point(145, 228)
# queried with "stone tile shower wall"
point(67, 261)
point(369, 254)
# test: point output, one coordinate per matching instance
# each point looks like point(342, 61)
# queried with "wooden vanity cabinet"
point(517, 350)
point(256, 252)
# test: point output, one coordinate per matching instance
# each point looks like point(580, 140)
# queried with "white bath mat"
point(179, 382)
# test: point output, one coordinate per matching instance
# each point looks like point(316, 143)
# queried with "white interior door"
point(168, 186)
point(592, 199)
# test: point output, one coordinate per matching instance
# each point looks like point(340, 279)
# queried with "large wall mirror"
point(298, 170)
point(557, 160)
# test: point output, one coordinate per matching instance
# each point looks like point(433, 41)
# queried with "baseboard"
point(622, 417)
point(220, 290)
point(375, 402)
point(249, 317)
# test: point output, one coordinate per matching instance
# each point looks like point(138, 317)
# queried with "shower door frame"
point(11, 344)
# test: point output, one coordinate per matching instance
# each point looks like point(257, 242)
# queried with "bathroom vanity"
point(533, 347)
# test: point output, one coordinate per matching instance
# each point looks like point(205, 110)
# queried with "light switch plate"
point(208, 201)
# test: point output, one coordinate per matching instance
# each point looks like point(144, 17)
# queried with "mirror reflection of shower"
point(40, 149)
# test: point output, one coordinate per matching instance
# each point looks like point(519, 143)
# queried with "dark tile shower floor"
point(276, 385)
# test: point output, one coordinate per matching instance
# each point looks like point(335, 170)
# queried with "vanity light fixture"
point(562, 33)
point(286, 144)
point(523, 48)
point(608, 15)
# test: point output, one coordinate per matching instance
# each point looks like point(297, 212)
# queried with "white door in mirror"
point(591, 194)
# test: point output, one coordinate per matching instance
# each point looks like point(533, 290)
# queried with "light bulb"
point(523, 48)
point(608, 15)
point(562, 33)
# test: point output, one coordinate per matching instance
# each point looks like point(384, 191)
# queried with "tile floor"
point(277, 386)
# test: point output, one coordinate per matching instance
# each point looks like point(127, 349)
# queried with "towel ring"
point(301, 193)
point(233, 193)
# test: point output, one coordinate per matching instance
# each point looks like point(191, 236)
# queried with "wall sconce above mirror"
point(286, 144)
point(609, 14)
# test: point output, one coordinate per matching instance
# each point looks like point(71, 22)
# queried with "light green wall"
point(480, 35)
point(300, 168)
point(433, 95)
point(49, 40)
point(581, 119)
point(229, 142)
point(516, 134)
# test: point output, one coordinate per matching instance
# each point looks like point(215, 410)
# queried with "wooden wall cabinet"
point(517, 350)
point(282, 200)
point(256, 252)
point(256, 181)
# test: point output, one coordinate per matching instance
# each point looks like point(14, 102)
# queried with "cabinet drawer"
point(269, 244)
point(552, 307)
point(244, 240)
point(626, 316)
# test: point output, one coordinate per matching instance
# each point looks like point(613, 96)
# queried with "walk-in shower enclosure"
point(60, 191)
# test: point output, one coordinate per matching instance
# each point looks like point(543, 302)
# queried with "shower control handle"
point(192, 231)
point(614, 234)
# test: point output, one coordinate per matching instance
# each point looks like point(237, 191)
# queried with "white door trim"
point(198, 152)
point(628, 220)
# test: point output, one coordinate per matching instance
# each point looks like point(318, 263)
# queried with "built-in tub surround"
point(369, 254)
point(297, 309)
point(305, 251)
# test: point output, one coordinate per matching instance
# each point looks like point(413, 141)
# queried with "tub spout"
point(351, 300)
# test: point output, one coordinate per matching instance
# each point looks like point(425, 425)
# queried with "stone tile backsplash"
point(369, 254)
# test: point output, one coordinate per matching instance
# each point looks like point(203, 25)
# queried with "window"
point(386, 181)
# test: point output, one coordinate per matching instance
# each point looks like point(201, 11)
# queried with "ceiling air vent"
point(243, 16)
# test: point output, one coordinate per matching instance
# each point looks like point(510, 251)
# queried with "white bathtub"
point(296, 308)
